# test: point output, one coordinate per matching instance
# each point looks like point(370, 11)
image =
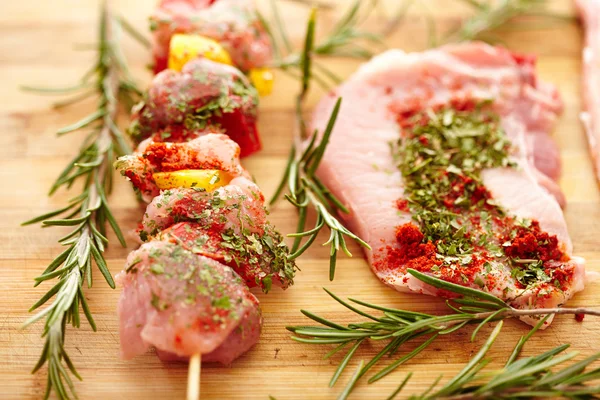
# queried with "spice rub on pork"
point(225, 205)
point(445, 161)
point(208, 152)
point(229, 225)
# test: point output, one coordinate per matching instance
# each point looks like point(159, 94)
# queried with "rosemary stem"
point(468, 396)
point(514, 312)
point(558, 310)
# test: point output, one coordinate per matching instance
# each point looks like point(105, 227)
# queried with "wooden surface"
point(36, 39)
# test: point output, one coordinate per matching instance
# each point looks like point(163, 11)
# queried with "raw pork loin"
point(396, 98)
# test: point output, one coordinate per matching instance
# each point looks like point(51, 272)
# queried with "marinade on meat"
point(229, 225)
point(445, 161)
point(239, 203)
point(204, 97)
point(209, 152)
point(259, 258)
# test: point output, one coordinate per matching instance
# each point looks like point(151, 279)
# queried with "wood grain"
point(36, 40)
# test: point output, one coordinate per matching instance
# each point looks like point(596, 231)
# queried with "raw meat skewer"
point(203, 230)
point(205, 222)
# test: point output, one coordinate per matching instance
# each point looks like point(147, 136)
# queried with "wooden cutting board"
point(36, 47)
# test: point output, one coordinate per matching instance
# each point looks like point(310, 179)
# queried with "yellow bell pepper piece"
point(208, 179)
point(262, 79)
point(184, 48)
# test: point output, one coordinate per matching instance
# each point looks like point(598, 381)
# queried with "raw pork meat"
point(204, 97)
point(379, 107)
point(229, 225)
point(232, 23)
point(225, 206)
point(184, 304)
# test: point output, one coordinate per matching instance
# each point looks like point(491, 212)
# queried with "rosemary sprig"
point(526, 378)
point(398, 327)
point(305, 189)
point(88, 213)
point(344, 40)
point(491, 16)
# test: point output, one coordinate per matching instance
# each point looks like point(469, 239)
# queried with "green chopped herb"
point(157, 269)
point(157, 303)
point(222, 302)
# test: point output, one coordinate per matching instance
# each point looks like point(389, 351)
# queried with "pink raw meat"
point(359, 168)
point(228, 225)
point(211, 151)
point(232, 23)
point(185, 304)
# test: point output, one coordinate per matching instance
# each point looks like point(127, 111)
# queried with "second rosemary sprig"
point(523, 378)
point(492, 16)
point(88, 213)
point(346, 39)
point(397, 327)
point(305, 188)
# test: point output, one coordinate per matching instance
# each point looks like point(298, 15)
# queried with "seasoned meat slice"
point(204, 97)
point(240, 203)
point(184, 304)
point(260, 258)
point(212, 152)
point(229, 225)
point(445, 162)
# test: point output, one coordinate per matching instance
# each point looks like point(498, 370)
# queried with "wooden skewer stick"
point(193, 387)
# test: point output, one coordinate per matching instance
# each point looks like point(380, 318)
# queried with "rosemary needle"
point(400, 387)
point(87, 213)
point(352, 382)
